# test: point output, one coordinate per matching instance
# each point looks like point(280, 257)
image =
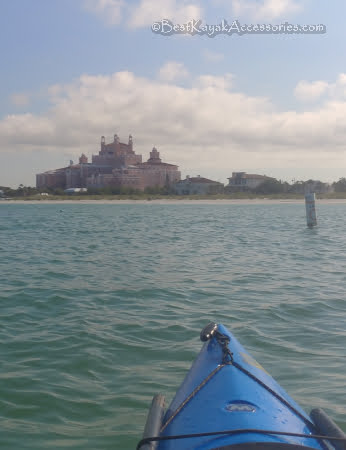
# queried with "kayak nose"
point(208, 331)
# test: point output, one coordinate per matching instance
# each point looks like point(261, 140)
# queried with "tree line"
point(28, 191)
point(269, 186)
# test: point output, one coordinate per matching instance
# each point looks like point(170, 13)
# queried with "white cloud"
point(310, 91)
point(342, 79)
point(338, 89)
point(143, 13)
point(149, 11)
point(205, 128)
point(266, 10)
point(173, 71)
point(110, 10)
point(31, 130)
point(217, 82)
point(212, 57)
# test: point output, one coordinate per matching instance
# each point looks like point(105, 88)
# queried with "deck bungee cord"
point(258, 405)
point(210, 331)
point(148, 440)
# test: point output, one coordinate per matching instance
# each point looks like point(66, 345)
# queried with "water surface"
point(102, 305)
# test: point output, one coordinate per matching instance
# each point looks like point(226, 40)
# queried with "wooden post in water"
point(310, 209)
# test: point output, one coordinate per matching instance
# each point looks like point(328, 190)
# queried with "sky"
point(270, 103)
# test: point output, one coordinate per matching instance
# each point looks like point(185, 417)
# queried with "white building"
point(198, 186)
point(242, 181)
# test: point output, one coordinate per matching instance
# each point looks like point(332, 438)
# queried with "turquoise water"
point(102, 305)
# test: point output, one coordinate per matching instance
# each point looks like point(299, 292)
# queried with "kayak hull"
point(232, 394)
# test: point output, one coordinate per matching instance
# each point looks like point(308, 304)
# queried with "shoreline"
point(259, 201)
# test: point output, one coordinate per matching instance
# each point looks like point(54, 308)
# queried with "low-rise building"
point(52, 179)
point(75, 190)
point(242, 181)
point(198, 186)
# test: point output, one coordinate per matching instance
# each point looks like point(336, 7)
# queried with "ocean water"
point(101, 308)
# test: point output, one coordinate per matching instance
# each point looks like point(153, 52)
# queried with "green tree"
point(58, 191)
point(340, 186)
point(271, 186)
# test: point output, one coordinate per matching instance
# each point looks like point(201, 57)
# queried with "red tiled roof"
point(157, 164)
point(53, 171)
point(258, 177)
point(200, 180)
point(62, 169)
point(249, 175)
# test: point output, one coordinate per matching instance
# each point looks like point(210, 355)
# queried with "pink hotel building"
point(116, 165)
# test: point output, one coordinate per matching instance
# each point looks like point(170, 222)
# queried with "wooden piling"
point(310, 209)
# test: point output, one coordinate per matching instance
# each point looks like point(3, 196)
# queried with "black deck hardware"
point(208, 331)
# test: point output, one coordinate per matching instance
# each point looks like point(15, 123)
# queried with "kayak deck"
point(226, 389)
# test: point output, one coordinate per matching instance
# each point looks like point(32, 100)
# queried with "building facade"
point(115, 165)
point(242, 181)
point(152, 173)
point(116, 154)
point(52, 179)
point(198, 186)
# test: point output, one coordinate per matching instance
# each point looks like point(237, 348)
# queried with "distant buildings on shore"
point(116, 165)
point(198, 185)
point(242, 181)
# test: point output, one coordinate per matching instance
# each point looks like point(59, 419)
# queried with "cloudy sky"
point(73, 70)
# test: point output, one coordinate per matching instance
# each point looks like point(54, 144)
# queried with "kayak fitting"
point(208, 331)
point(228, 401)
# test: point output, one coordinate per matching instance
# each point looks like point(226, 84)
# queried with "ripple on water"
point(102, 305)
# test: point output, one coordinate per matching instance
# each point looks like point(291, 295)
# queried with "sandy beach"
point(263, 201)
